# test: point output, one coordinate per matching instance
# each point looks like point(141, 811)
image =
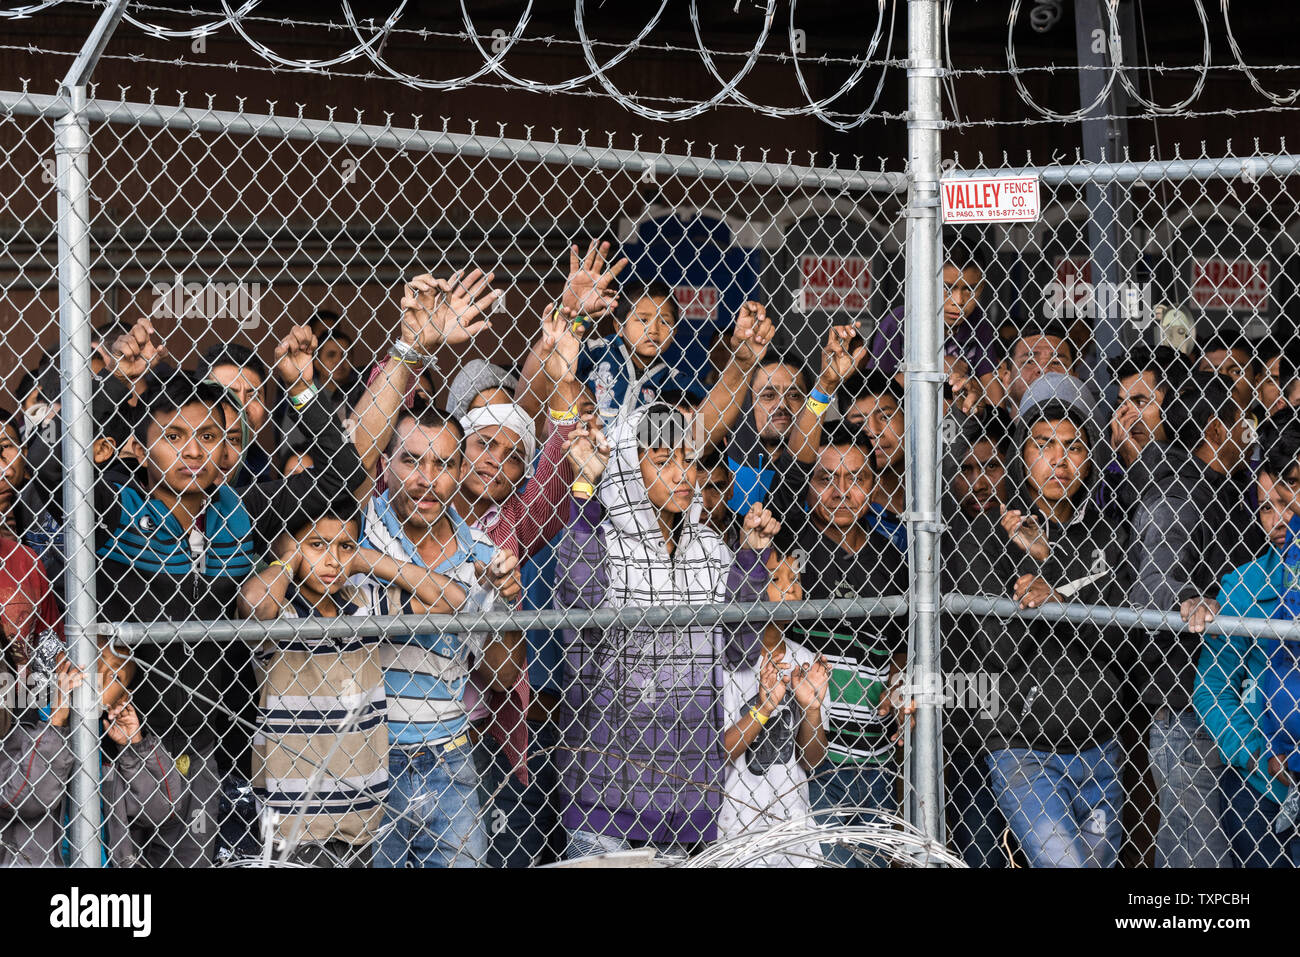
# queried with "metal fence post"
point(72, 154)
point(72, 147)
point(923, 376)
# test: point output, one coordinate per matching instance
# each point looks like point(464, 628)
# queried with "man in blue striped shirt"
point(432, 818)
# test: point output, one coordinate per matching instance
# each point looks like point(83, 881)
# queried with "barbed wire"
point(372, 37)
point(884, 835)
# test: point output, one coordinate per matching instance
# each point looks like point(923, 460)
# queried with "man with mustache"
point(776, 392)
point(980, 484)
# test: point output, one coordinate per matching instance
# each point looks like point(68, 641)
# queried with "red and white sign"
point(833, 283)
point(1228, 284)
point(995, 199)
point(695, 303)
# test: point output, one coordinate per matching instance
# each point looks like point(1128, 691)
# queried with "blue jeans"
point(432, 818)
point(856, 785)
point(523, 823)
point(1063, 808)
point(977, 824)
point(1185, 764)
point(1248, 820)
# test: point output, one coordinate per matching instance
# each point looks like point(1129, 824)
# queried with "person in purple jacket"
point(642, 715)
point(968, 333)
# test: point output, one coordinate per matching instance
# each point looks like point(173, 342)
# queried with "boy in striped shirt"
point(321, 754)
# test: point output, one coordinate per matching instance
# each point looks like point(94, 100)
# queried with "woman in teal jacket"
point(1230, 671)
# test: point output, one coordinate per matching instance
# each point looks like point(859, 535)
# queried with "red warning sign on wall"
point(701, 303)
point(1230, 284)
point(833, 283)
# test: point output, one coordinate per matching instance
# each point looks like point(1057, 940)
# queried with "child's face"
point(963, 288)
point(115, 674)
point(186, 449)
point(13, 467)
point(325, 552)
point(667, 479)
point(1056, 459)
point(841, 484)
point(784, 583)
point(648, 328)
point(715, 488)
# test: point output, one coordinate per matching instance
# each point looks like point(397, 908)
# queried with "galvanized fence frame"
point(73, 113)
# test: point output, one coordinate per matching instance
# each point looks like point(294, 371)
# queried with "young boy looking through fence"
point(776, 732)
point(320, 757)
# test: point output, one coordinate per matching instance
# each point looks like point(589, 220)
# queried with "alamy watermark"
point(213, 300)
point(975, 691)
point(1124, 301)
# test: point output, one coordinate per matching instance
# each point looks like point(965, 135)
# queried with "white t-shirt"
point(756, 801)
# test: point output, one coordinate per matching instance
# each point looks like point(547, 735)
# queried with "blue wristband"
point(820, 396)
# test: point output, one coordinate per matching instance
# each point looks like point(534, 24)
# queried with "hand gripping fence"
point(402, 496)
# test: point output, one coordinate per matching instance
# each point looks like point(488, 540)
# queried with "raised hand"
point(771, 682)
point(1026, 533)
point(809, 684)
point(501, 575)
point(123, 724)
point(588, 290)
point(752, 332)
point(760, 527)
point(588, 450)
point(560, 344)
point(293, 359)
point(133, 353)
point(451, 311)
point(838, 362)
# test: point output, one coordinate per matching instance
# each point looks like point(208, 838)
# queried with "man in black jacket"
point(1053, 750)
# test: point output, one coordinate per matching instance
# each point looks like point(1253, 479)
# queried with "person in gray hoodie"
point(1187, 533)
point(35, 765)
point(142, 789)
point(1053, 757)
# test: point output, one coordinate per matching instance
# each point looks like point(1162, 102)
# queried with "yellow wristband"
point(757, 715)
point(583, 489)
point(278, 562)
point(816, 407)
point(569, 415)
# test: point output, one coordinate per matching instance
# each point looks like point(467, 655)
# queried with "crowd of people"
point(604, 475)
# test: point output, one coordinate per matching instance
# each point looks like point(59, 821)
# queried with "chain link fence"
point(1146, 414)
point(381, 496)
